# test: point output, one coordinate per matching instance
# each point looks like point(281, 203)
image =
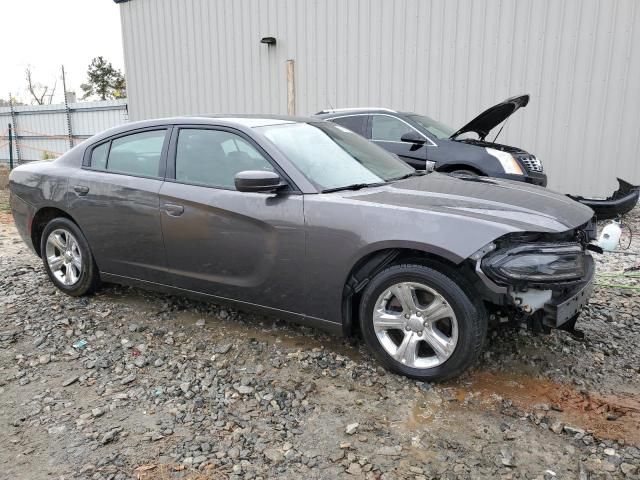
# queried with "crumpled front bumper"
point(552, 304)
point(620, 202)
point(566, 304)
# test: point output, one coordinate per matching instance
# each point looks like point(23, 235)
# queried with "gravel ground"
point(129, 384)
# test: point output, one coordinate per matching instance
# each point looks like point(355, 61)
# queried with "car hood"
point(521, 206)
point(487, 120)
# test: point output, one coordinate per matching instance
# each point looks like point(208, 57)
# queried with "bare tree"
point(37, 90)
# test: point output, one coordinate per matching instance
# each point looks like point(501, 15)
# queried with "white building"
point(579, 60)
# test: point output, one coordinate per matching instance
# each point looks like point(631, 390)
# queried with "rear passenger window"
point(137, 154)
point(99, 156)
point(214, 157)
point(355, 123)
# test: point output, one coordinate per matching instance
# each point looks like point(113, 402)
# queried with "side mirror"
point(257, 181)
point(413, 137)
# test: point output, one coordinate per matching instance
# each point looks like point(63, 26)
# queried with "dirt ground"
point(4, 177)
point(132, 384)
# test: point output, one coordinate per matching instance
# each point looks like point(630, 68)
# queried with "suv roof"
point(328, 111)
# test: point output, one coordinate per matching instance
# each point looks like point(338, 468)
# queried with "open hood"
point(490, 118)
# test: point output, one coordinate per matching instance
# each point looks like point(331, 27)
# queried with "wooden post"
point(291, 88)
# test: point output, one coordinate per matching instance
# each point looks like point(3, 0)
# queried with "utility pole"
point(67, 109)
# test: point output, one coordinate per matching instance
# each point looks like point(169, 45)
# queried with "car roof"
point(246, 120)
point(232, 120)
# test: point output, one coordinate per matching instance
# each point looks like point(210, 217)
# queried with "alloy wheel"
point(64, 257)
point(415, 325)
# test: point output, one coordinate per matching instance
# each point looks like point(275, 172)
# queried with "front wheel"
point(67, 258)
point(419, 322)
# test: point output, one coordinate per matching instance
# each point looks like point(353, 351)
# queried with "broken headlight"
point(537, 263)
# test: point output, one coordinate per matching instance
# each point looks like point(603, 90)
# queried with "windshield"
point(435, 128)
point(331, 156)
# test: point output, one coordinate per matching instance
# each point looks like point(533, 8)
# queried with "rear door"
point(387, 131)
point(114, 199)
point(241, 246)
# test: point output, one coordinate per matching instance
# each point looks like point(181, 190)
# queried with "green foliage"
point(7, 103)
point(104, 81)
point(48, 155)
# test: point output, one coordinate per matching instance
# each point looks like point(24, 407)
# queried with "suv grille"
point(532, 164)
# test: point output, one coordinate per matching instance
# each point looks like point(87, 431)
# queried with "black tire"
point(89, 278)
point(471, 318)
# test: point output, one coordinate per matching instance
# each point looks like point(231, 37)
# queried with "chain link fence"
point(41, 132)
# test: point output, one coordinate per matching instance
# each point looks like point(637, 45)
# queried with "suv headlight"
point(540, 263)
point(508, 162)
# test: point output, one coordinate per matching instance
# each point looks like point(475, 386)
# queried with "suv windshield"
point(332, 157)
point(435, 128)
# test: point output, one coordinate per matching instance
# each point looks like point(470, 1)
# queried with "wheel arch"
point(375, 260)
point(40, 220)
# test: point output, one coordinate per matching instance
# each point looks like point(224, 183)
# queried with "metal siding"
point(579, 60)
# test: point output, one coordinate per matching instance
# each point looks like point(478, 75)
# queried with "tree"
point(7, 103)
point(104, 81)
point(37, 90)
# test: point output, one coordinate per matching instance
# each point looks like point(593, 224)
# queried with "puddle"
point(588, 411)
point(429, 407)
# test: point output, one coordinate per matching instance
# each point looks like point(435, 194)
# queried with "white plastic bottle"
point(610, 236)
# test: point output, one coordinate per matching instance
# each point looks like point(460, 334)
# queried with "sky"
point(46, 34)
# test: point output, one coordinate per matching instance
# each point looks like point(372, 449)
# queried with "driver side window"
point(385, 128)
point(213, 157)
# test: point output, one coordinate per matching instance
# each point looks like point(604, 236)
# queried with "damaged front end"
point(542, 280)
point(622, 201)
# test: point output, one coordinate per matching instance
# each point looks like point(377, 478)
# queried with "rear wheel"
point(420, 323)
point(67, 258)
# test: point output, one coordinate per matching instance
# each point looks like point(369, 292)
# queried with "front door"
point(241, 246)
point(387, 131)
point(114, 199)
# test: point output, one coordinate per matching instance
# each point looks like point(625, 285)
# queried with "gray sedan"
point(305, 220)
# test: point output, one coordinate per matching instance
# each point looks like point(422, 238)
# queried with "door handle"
point(81, 189)
point(173, 210)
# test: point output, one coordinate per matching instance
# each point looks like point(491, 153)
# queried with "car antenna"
point(330, 106)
